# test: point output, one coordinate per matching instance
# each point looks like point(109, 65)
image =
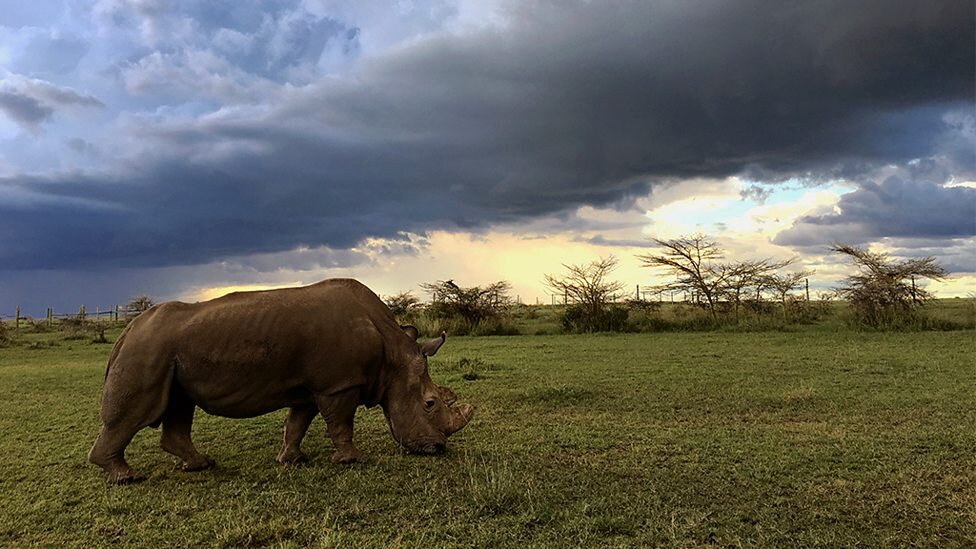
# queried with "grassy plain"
point(819, 438)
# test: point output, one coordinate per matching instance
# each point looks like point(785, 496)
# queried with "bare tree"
point(140, 304)
point(745, 276)
point(783, 284)
point(592, 291)
point(693, 260)
point(883, 286)
point(588, 284)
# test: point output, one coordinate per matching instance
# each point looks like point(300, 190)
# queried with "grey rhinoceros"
point(326, 348)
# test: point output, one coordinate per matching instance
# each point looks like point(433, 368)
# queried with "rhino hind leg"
point(177, 423)
point(126, 411)
point(108, 452)
point(339, 411)
point(296, 425)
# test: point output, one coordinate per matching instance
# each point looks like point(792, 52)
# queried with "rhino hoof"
point(292, 458)
point(199, 464)
point(126, 477)
point(349, 456)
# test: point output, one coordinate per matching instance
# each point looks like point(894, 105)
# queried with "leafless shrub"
point(589, 288)
point(884, 292)
point(139, 305)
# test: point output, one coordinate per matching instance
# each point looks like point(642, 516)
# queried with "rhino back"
point(249, 353)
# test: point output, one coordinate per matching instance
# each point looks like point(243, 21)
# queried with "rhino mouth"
point(430, 448)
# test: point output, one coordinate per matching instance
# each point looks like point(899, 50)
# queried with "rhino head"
point(421, 414)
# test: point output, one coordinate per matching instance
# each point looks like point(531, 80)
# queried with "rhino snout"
point(433, 448)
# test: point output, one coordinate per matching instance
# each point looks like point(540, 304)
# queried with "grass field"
point(685, 439)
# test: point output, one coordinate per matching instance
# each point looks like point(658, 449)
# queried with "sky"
point(186, 148)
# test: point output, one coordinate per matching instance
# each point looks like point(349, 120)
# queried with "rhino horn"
point(430, 348)
point(462, 415)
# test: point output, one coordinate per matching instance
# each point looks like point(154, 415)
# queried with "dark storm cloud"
point(894, 208)
point(567, 105)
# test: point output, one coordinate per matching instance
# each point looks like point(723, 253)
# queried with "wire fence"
point(112, 313)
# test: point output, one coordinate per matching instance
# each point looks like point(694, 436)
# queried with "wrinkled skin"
point(323, 349)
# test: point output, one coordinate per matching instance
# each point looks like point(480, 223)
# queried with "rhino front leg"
point(296, 425)
point(177, 423)
point(339, 411)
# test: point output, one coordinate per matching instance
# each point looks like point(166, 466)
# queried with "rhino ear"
point(430, 348)
point(411, 331)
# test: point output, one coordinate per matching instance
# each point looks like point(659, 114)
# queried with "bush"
point(472, 305)
point(402, 305)
point(139, 305)
point(5, 337)
point(883, 293)
point(430, 324)
point(579, 319)
point(899, 319)
point(78, 327)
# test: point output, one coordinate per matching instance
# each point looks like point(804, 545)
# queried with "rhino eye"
point(429, 403)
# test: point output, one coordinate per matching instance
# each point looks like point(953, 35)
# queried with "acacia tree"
point(471, 304)
point(693, 259)
point(782, 284)
point(402, 303)
point(883, 287)
point(744, 276)
point(589, 286)
point(140, 304)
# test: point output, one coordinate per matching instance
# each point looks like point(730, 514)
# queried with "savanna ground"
point(809, 437)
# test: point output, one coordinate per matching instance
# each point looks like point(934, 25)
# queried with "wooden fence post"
point(81, 312)
point(808, 288)
point(50, 316)
point(17, 318)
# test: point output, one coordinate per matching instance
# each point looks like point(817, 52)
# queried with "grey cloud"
point(896, 207)
point(24, 110)
point(600, 240)
point(756, 193)
point(81, 146)
point(30, 101)
point(580, 104)
point(956, 255)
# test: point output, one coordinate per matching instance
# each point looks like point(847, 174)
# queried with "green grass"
point(758, 439)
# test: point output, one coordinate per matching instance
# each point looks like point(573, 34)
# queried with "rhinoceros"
point(326, 348)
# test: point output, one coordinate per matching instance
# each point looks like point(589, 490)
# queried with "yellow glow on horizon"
point(523, 254)
point(213, 293)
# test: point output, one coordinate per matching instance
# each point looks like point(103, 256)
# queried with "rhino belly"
point(241, 390)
